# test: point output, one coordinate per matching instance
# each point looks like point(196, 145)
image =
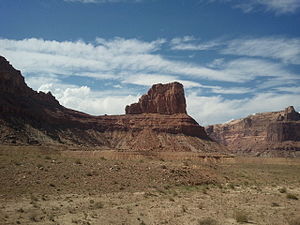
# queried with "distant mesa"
point(161, 98)
point(262, 134)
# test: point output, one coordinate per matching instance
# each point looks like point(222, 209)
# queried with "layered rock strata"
point(157, 123)
point(161, 98)
point(271, 133)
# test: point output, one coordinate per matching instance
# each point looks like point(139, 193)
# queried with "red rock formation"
point(263, 133)
point(28, 117)
point(161, 98)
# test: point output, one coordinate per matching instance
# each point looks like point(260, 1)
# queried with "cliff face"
point(161, 98)
point(160, 122)
point(262, 133)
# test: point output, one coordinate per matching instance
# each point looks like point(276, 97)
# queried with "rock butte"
point(262, 134)
point(158, 122)
point(161, 98)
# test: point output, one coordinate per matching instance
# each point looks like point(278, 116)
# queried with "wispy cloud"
point(284, 49)
point(118, 58)
point(276, 6)
point(290, 89)
point(149, 79)
point(279, 7)
point(191, 43)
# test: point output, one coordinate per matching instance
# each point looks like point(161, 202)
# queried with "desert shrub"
point(142, 223)
point(34, 218)
point(98, 205)
point(78, 162)
point(282, 190)
point(89, 174)
point(295, 221)
point(171, 199)
point(231, 186)
point(47, 157)
point(291, 196)
point(18, 163)
point(164, 167)
point(241, 217)
point(275, 204)
point(207, 221)
point(20, 210)
point(183, 208)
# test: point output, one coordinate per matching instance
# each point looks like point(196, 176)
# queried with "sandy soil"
point(41, 185)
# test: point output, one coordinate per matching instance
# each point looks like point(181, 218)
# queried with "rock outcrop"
point(161, 98)
point(272, 133)
point(161, 124)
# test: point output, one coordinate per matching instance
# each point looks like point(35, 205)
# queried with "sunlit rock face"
point(161, 98)
point(262, 133)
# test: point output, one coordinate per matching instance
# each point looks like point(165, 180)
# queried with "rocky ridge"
point(271, 133)
point(157, 123)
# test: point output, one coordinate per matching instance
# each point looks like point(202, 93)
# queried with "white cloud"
point(278, 7)
point(281, 48)
point(231, 90)
point(115, 59)
point(285, 49)
point(83, 98)
point(190, 43)
point(150, 79)
point(276, 82)
point(130, 46)
point(292, 89)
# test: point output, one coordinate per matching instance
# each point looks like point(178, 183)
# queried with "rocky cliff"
point(161, 98)
point(157, 123)
point(271, 133)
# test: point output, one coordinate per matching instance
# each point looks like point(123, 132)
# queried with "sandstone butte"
point(158, 122)
point(261, 134)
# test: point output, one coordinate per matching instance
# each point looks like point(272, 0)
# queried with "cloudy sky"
point(234, 57)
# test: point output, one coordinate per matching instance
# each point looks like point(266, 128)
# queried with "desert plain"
point(52, 185)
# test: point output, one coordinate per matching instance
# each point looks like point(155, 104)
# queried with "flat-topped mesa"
point(161, 98)
point(262, 133)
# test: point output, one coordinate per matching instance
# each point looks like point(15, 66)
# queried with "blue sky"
point(234, 57)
